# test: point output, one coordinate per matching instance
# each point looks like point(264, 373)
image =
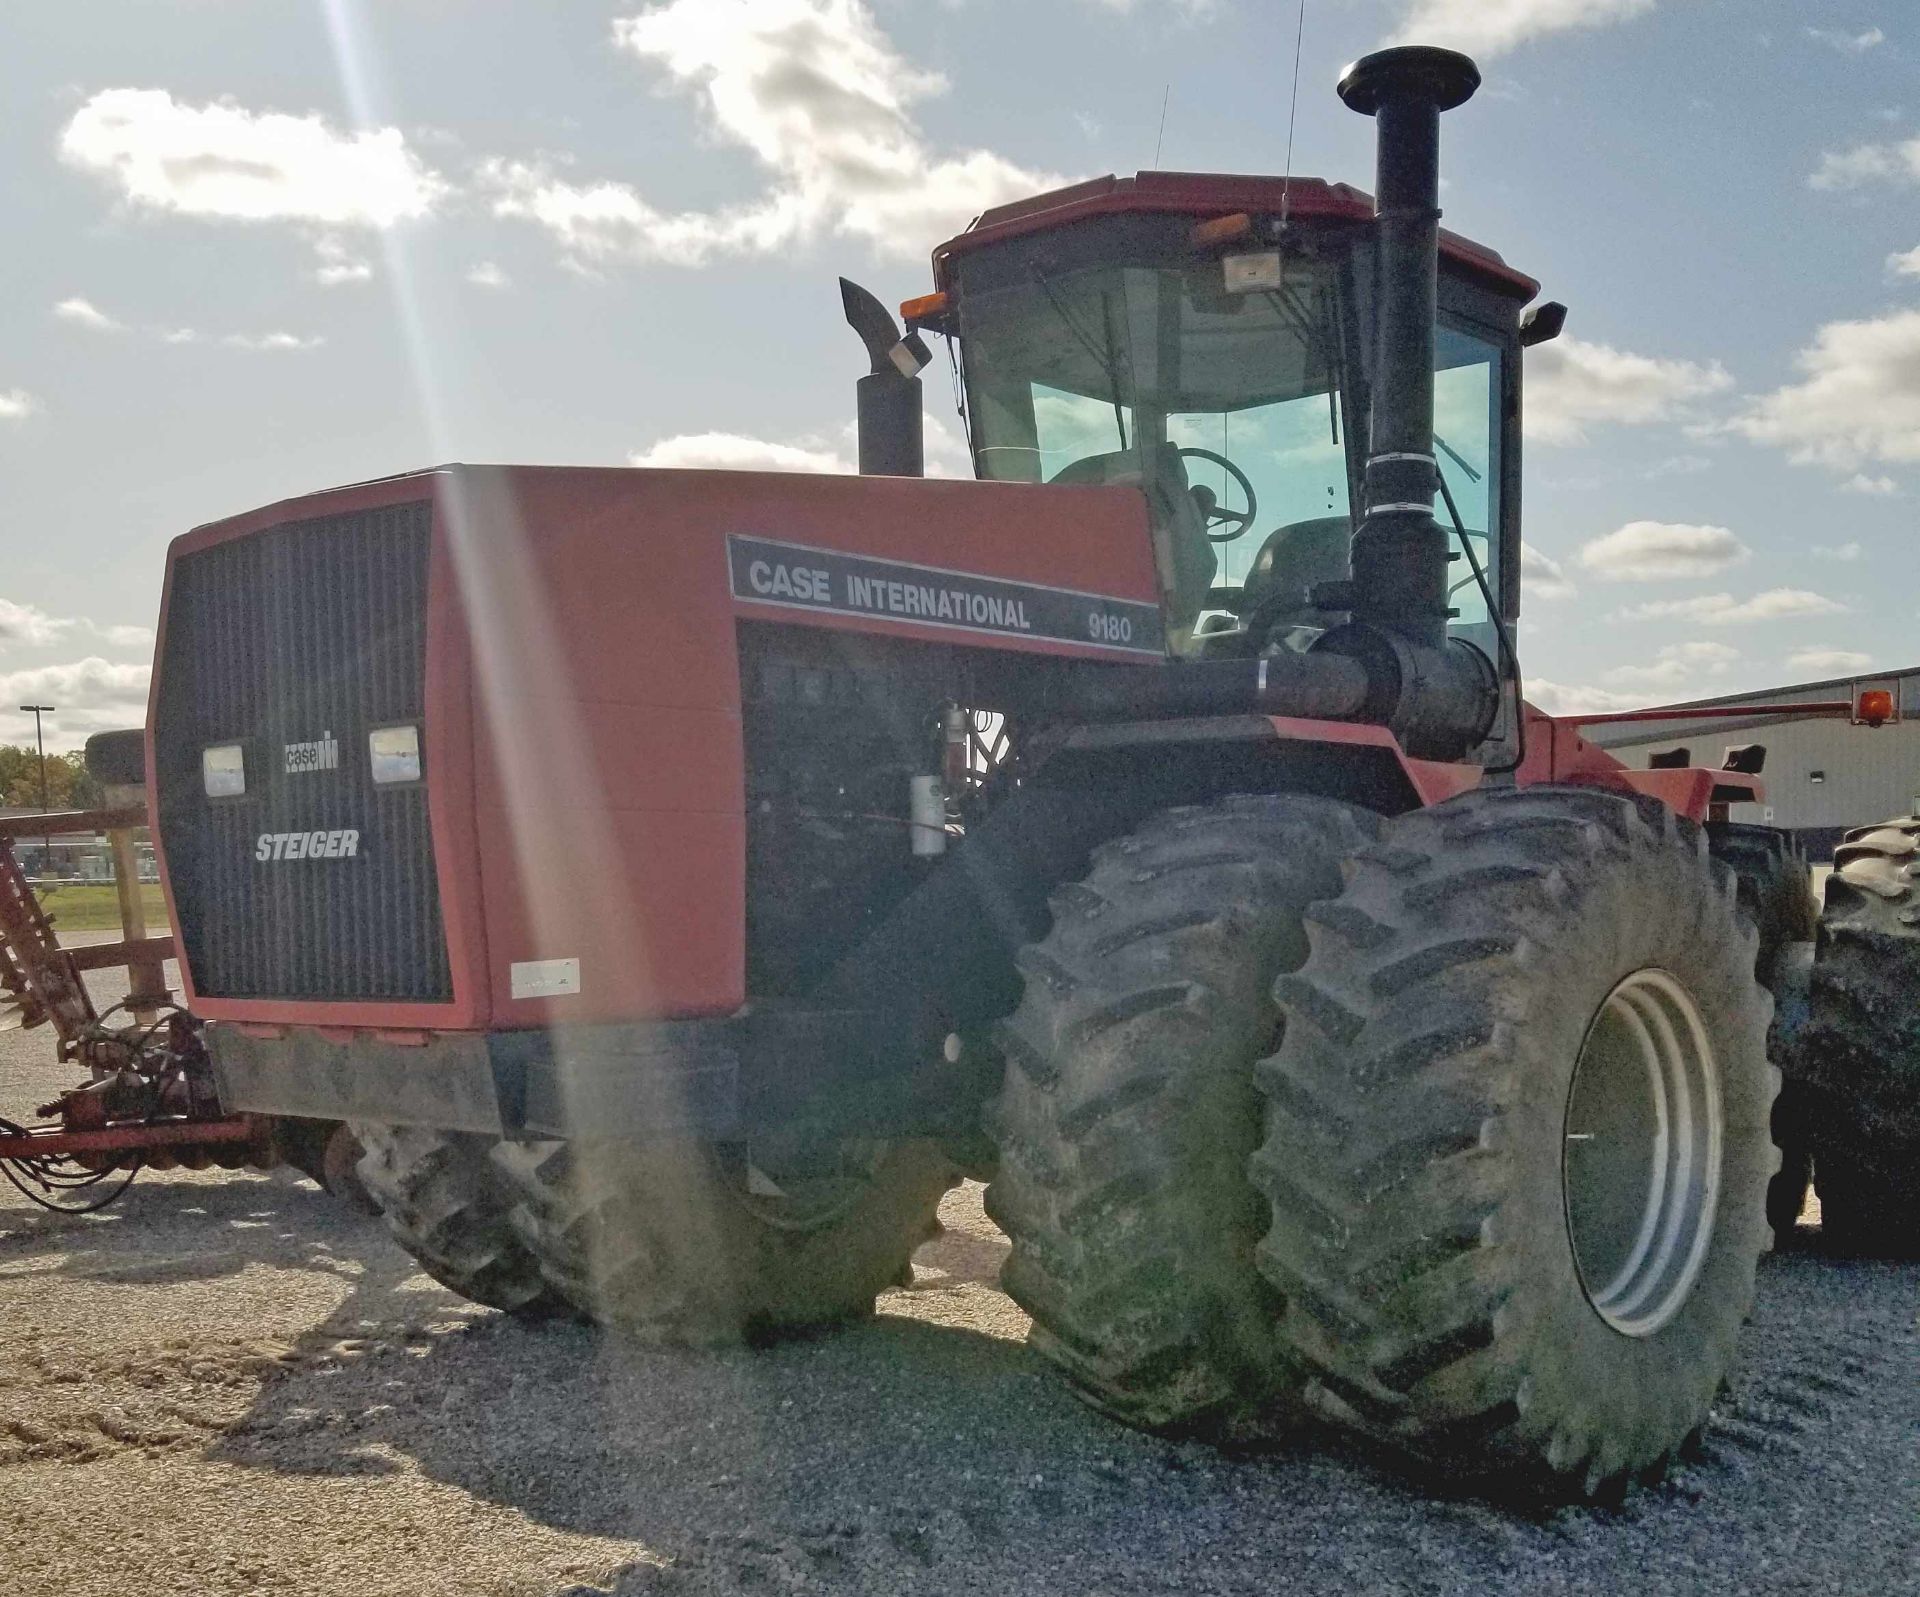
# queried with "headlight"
point(223, 770)
point(394, 752)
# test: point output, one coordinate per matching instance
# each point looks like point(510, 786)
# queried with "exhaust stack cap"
point(1445, 78)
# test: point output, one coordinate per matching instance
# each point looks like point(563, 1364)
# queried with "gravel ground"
point(230, 1384)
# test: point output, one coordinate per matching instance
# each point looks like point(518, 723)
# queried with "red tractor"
point(677, 878)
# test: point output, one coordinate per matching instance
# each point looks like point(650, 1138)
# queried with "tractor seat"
point(1294, 561)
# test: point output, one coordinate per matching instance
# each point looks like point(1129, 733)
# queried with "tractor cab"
point(1210, 341)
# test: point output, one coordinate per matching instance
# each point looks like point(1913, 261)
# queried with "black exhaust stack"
point(892, 427)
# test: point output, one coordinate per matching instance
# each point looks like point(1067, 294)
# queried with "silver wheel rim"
point(1640, 1167)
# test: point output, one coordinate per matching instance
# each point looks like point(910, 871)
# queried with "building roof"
point(1618, 733)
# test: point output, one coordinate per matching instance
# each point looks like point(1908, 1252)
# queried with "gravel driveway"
point(230, 1384)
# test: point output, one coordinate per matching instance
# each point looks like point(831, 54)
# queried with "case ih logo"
point(322, 754)
point(344, 844)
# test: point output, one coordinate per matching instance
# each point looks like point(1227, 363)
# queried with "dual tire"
point(1479, 1101)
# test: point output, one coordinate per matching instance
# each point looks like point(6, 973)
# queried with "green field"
point(95, 907)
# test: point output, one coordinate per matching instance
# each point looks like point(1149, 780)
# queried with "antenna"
point(1161, 138)
point(1293, 110)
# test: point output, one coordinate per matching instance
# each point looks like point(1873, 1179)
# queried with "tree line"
point(69, 786)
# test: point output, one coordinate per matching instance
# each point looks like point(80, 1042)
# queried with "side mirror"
point(1542, 323)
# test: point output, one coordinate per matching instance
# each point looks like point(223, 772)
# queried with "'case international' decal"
point(802, 578)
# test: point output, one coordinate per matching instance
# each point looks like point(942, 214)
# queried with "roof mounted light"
point(1221, 230)
point(1874, 707)
point(926, 311)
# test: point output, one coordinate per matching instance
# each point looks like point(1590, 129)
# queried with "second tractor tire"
point(1454, 1101)
point(681, 1243)
point(1858, 1059)
point(440, 1199)
point(1775, 890)
point(1129, 1111)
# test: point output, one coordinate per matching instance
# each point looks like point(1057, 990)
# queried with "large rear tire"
point(1517, 1139)
point(1129, 1110)
point(1776, 893)
point(441, 1201)
point(1858, 1059)
point(686, 1244)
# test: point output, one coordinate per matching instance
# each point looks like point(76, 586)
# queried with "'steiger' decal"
point(801, 578)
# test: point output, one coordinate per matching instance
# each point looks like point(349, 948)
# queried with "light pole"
point(37, 710)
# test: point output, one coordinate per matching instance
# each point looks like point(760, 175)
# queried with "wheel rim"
point(1640, 1167)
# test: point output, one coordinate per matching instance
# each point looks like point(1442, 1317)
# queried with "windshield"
point(1165, 377)
point(1234, 410)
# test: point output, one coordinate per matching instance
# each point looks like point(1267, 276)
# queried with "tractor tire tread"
point(1128, 1108)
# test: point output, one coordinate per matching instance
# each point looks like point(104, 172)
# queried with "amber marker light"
point(1221, 230)
point(1874, 707)
point(927, 308)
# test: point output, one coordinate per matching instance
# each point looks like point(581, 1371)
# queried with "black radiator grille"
point(282, 637)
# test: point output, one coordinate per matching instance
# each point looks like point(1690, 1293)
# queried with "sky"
point(258, 248)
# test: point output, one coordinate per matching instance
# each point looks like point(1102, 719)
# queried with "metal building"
point(1822, 775)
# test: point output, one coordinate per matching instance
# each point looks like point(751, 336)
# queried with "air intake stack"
point(1399, 551)
point(1439, 694)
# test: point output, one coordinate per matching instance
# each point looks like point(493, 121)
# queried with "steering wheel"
point(1235, 522)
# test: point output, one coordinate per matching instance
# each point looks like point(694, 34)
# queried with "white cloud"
point(33, 627)
point(1874, 487)
point(1723, 610)
point(734, 452)
point(1868, 163)
point(179, 335)
point(1858, 401)
point(946, 449)
point(1829, 662)
point(16, 404)
point(1542, 577)
point(1848, 43)
point(1490, 27)
point(1571, 384)
point(1187, 10)
point(29, 624)
point(485, 274)
point(1906, 263)
point(1837, 551)
point(817, 94)
point(92, 695)
point(1674, 666)
point(273, 342)
point(340, 263)
point(84, 313)
point(223, 160)
point(1654, 551)
point(123, 637)
point(1560, 698)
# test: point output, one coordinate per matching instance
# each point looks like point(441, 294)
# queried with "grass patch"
point(95, 907)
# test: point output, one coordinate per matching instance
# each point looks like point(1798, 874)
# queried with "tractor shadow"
point(925, 1443)
point(924, 1450)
